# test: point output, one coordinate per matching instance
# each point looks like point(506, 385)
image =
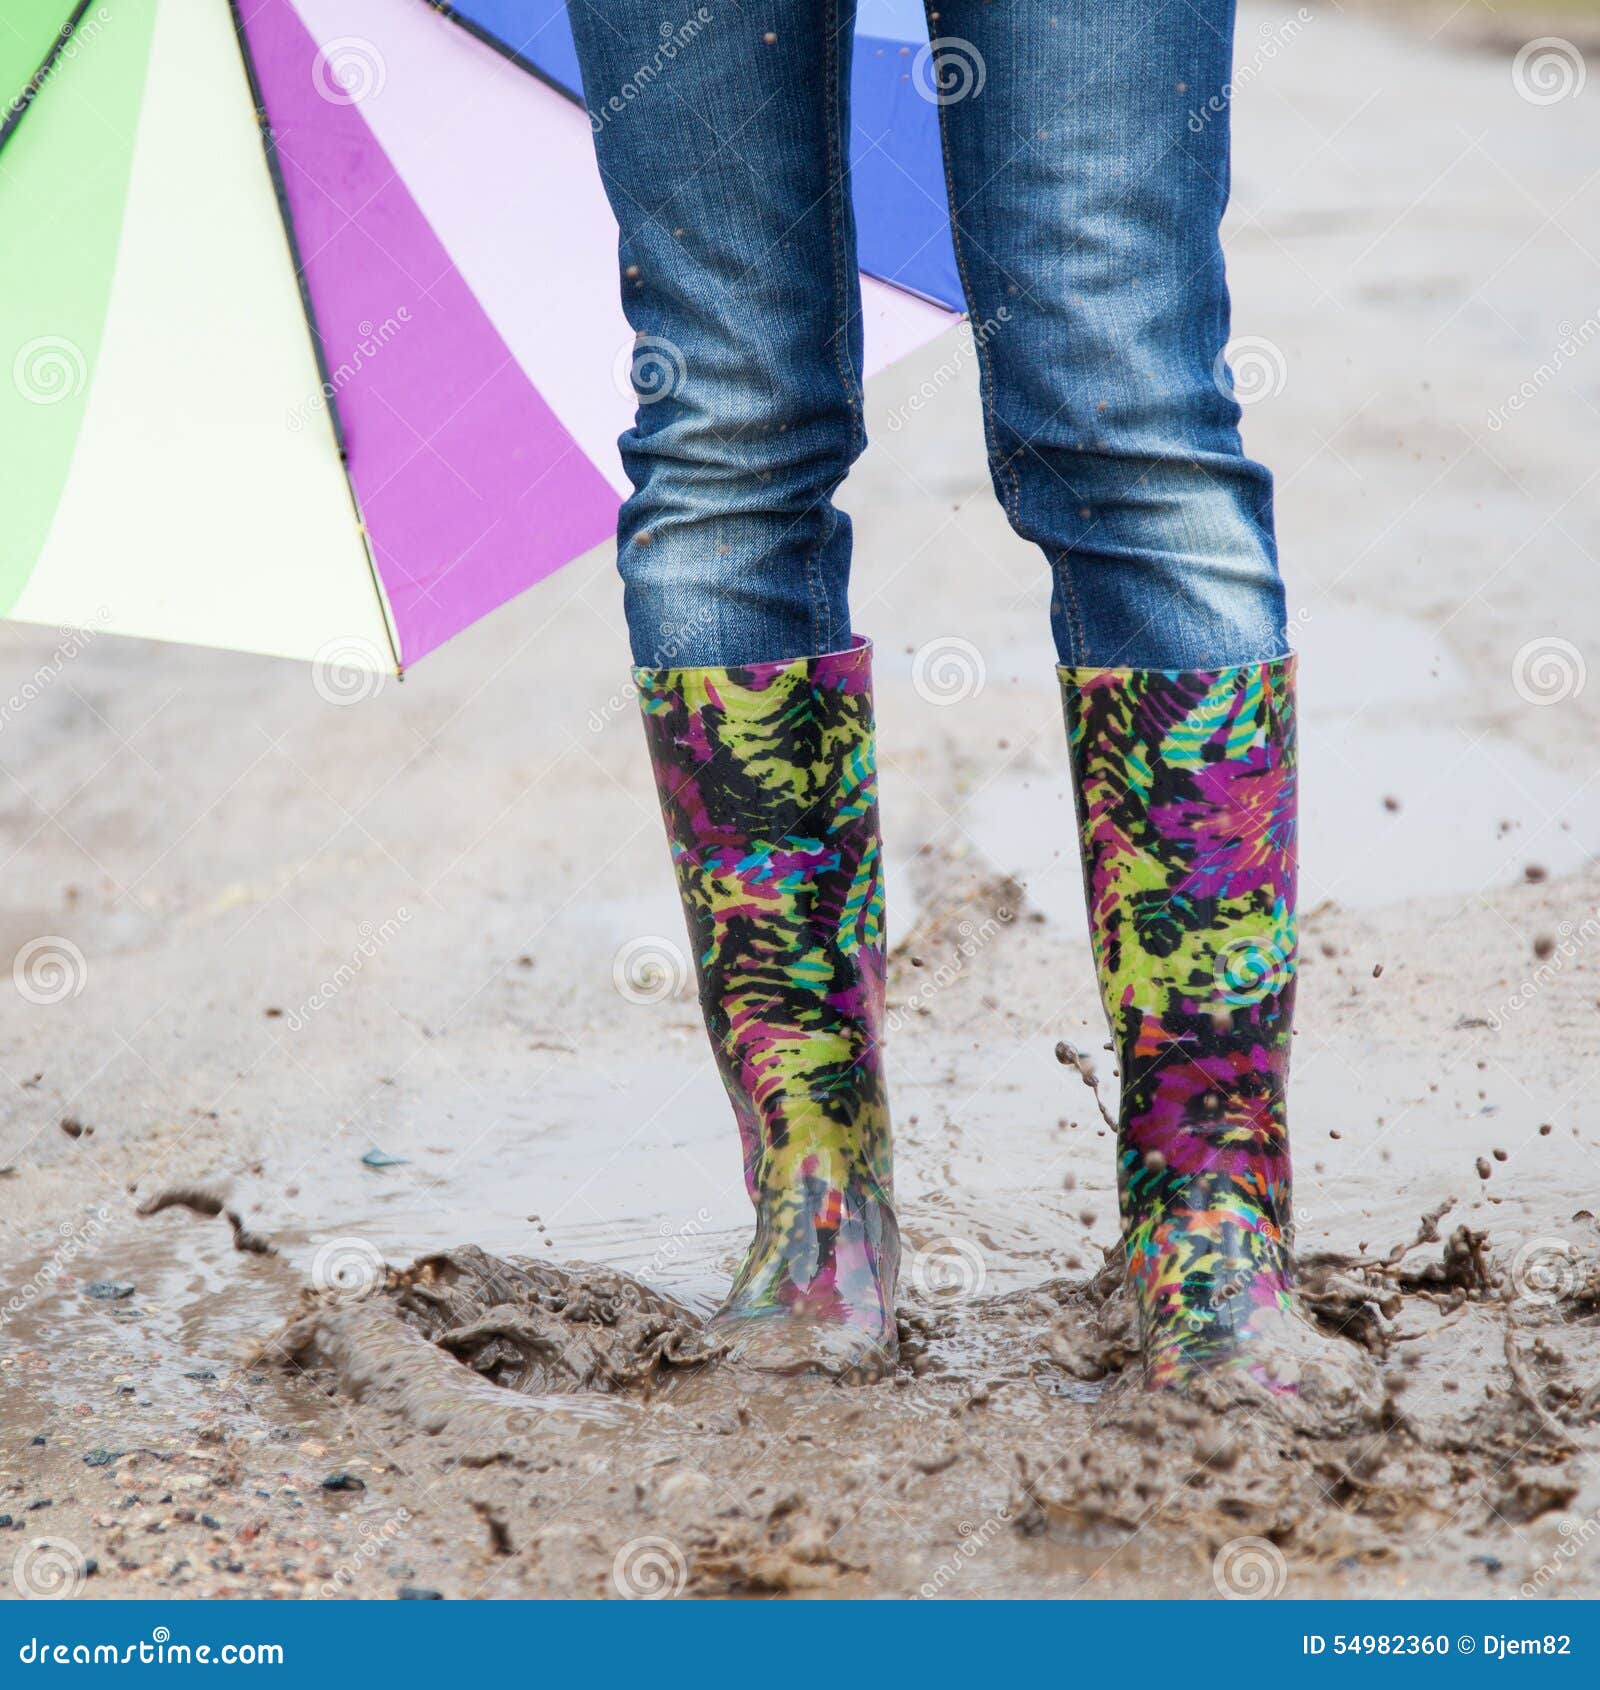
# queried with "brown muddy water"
point(425, 1387)
point(455, 1345)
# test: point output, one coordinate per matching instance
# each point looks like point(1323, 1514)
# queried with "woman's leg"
point(727, 170)
point(1087, 207)
point(726, 167)
point(1087, 201)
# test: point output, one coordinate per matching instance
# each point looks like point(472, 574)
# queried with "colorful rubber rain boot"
point(768, 786)
point(1185, 786)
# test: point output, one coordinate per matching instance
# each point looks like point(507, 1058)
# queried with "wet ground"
point(405, 974)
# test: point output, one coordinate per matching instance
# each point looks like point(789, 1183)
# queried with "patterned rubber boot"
point(1185, 788)
point(768, 786)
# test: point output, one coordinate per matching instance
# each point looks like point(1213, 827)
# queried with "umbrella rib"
point(24, 101)
point(522, 62)
point(503, 48)
point(280, 192)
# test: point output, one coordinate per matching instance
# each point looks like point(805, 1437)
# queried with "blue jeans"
point(1085, 208)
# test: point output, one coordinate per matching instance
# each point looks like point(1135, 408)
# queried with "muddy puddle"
point(466, 1353)
point(506, 1323)
point(1480, 1371)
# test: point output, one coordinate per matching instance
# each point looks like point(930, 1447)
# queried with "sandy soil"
point(433, 928)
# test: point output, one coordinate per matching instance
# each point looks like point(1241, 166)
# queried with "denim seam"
point(821, 618)
point(1063, 575)
point(838, 209)
point(998, 464)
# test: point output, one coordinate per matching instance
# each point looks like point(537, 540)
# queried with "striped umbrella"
point(310, 315)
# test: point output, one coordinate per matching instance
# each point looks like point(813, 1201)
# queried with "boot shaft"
point(767, 778)
point(1185, 786)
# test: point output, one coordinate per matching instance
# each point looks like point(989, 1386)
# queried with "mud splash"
point(1032, 1395)
point(532, 1327)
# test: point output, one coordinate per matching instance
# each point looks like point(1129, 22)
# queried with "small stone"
point(343, 1481)
point(1484, 1170)
point(109, 1290)
point(1377, 971)
point(1544, 1131)
point(1534, 873)
point(1544, 946)
point(415, 1593)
